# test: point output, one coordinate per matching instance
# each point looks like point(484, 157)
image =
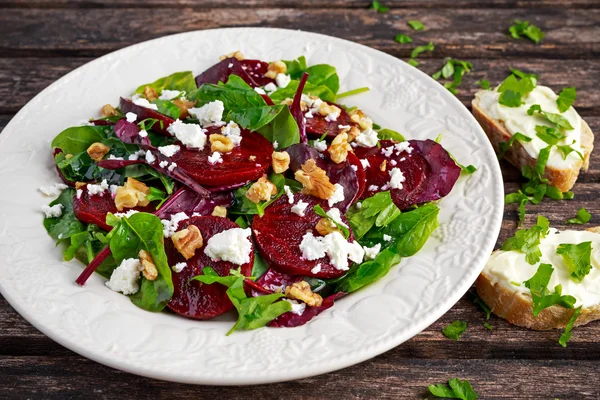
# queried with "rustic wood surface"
point(41, 40)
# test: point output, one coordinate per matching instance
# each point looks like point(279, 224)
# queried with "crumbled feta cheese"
point(336, 216)
point(54, 190)
point(396, 178)
point(275, 145)
point(337, 196)
point(282, 80)
point(394, 162)
point(143, 133)
point(232, 245)
point(209, 113)
point(299, 208)
point(334, 246)
point(354, 167)
point(312, 248)
point(52, 212)
point(113, 190)
point(191, 135)
point(358, 205)
point(131, 117)
point(144, 103)
point(289, 194)
point(320, 145)
point(297, 308)
point(170, 226)
point(125, 278)
point(163, 164)
point(170, 150)
point(373, 188)
point(136, 155)
point(344, 127)
point(79, 193)
point(316, 269)
point(367, 138)
point(365, 163)
point(387, 238)
point(403, 146)
point(98, 189)
point(230, 65)
point(112, 157)
point(179, 267)
point(270, 87)
point(333, 116)
point(259, 90)
point(170, 94)
point(371, 252)
point(308, 114)
point(150, 157)
point(126, 214)
point(172, 166)
point(233, 132)
point(215, 158)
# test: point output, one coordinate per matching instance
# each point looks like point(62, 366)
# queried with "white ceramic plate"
point(104, 326)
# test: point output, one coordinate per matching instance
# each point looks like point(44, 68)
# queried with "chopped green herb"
point(548, 134)
point(403, 39)
point(515, 283)
point(455, 70)
point(541, 297)
point(416, 25)
point(566, 98)
point(577, 258)
point(504, 146)
point(353, 92)
point(528, 240)
point(421, 49)
point(557, 119)
point(377, 6)
point(488, 326)
point(526, 29)
point(582, 217)
point(484, 84)
point(412, 62)
point(478, 301)
point(456, 389)
point(522, 199)
point(522, 74)
point(455, 329)
point(567, 149)
point(512, 90)
point(566, 335)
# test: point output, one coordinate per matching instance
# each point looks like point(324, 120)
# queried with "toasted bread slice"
point(563, 179)
point(517, 308)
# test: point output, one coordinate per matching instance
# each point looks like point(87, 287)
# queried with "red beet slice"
point(236, 166)
point(251, 71)
point(193, 299)
point(129, 133)
point(414, 167)
point(143, 113)
point(361, 174)
point(190, 202)
point(289, 319)
point(257, 69)
point(271, 281)
point(318, 125)
point(279, 232)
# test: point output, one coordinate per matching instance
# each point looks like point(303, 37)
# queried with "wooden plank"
point(22, 78)
point(462, 33)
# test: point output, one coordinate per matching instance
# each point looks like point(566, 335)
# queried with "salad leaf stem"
point(89, 270)
point(353, 92)
point(297, 110)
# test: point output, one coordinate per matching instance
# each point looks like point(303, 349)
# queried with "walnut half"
point(220, 143)
point(301, 291)
point(280, 161)
point(326, 226)
point(339, 148)
point(132, 194)
point(108, 111)
point(263, 189)
point(184, 105)
point(277, 67)
point(187, 240)
point(97, 151)
point(314, 180)
point(150, 272)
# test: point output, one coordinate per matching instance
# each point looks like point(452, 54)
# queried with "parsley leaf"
point(566, 335)
point(557, 119)
point(541, 297)
point(528, 240)
point(416, 25)
point(522, 199)
point(456, 389)
point(484, 84)
point(526, 29)
point(577, 258)
point(567, 149)
point(403, 39)
point(380, 8)
point(421, 49)
point(504, 146)
point(455, 329)
point(522, 74)
point(566, 98)
point(512, 90)
point(413, 62)
point(454, 69)
point(488, 326)
point(548, 134)
point(477, 300)
point(582, 217)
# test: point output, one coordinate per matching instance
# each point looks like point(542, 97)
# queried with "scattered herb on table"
point(416, 25)
point(456, 389)
point(521, 29)
point(488, 326)
point(483, 83)
point(421, 49)
point(377, 6)
point(582, 217)
point(403, 39)
point(455, 70)
point(455, 329)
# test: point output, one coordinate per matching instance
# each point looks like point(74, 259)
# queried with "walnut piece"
point(108, 111)
point(339, 148)
point(219, 211)
point(252, 158)
point(263, 189)
point(97, 151)
point(236, 54)
point(326, 226)
point(150, 272)
point(301, 291)
point(132, 194)
point(277, 67)
point(187, 240)
point(326, 109)
point(361, 119)
point(288, 102)
point(220, 143)
point(150, 94)
point(352, 132)
point(79, 185)
point(314, 180)
point(383, 165)
point(184, 105)
point(280, 161)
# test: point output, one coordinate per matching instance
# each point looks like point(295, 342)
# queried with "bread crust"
point(496, 131)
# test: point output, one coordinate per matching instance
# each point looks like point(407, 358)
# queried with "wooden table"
point(41, 40)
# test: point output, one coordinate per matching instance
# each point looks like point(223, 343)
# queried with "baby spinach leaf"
point(566, 335)
point(411, 229)
point(322, 91)
point(78, 138)
point(166, 107)
point(143, 231)
point(296, 68)
point(528, 240)
point(67, 224)
point(363, 219)
point(283, 130)
point(455, 329)
point(324, 75)
point(260, 266)
point(541, 297)
point(384, 134)
point(182, 81)
point(577, 258)
point(369, 271)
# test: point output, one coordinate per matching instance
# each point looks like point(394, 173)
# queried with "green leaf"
point(284, 129)
point(411, 229)
point(568, 149)
point(321, 91)
point(528, 240)
point(377, 6)
point(412, 62)
point(577, 258)
point(454, 69)
point(484, 84)
point(541, 297)
point(421, 49)
point(478, 301)
point(167, 108)
point(549, 135)
point(504, 146)
point(512, 90)
point(362, 219)
point(566, 335)
point(455, 329)
point(242, 205)
point(384, 134)
point(296, 68)
point(320, 212)
point(403, 39)
point(67, 224)
point(78, 138)
point(522, 199)
point(416, 25)
point(143, 231)
point(566, 98)
point(488, 326)
point(260, 265)
point(525, 29)
point(353, 92)
point(522, 74)
point(324, 75)
point(369, 271)
point(457, 389)
point(182, 81)
point(557, 119)
point(582, 217)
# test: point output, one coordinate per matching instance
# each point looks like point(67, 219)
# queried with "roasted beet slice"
point(143, 113)
point(318, 125)
point(414, 167)
point(129, 133)
point(444, 171)
point(273, 281)
point(248, 70)
point(361, 174)
point(289, 319)
point(257, 69)
point(279, 232)
point(236, 166)
point(190, 202)
point(193, 299)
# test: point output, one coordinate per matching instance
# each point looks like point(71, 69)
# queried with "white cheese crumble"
point(163, 164)
point(396, 178)
point(394, 162)
point(259, 90)
point(209, 113)
point(136, 156)
point(215, 158)
point(53, 212)
point(397, 149)
point(299, 208)
point(387, 238)
point(125, 278)
point(367, 138)
point(358, 205)
point(143, 103)
point(320, 145)
point(169, 94)
point(179, 267)
point(337, 196)
point(191, 135)
point(131, 117)
point(170, 150)
point(233, 132)
point(297, 308)
point(54, 190)
point(316, 269)
point(333, 116)
point(150, 157)
point(336, 216)
point(371, 252)
point(289, 194)
point(344, 127)
point(365, 163)
point(98, 189)
point(334, 246)
point(79, 193)
point(270, 87)
point(232, 245)
point(143, 134)
point(126, 214)
point(354, 167)
point(171, 226)
point(275, 145)
point(113, 190)
point(373, 188)
point(172, 166)
point(312, 248)
point(112, 157)
point(308, 114)
point(282, 80)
